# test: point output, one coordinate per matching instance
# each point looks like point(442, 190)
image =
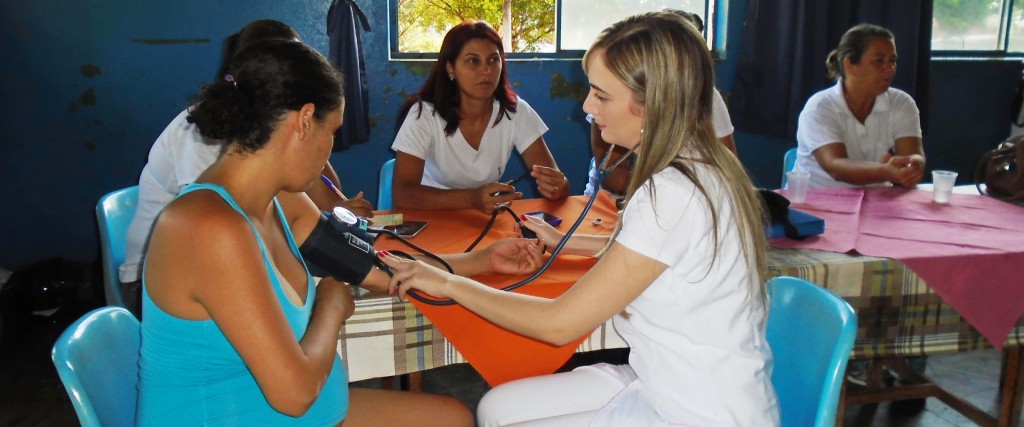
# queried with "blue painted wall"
point(87, 87)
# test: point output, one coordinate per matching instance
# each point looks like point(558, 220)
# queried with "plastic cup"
point(796, 183)
point(942, 185)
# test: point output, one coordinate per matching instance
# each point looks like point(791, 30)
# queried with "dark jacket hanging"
point(345, 51)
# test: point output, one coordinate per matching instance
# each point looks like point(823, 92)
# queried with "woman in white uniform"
point(861, 131)
point(682, 276)
point(616, 179)
point(458, 132)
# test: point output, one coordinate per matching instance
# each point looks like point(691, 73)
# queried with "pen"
point(330, 185)
point(519, 178)
point(512, 182)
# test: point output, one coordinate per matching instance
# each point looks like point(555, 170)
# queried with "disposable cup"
point(942, 185)
point(796, 183)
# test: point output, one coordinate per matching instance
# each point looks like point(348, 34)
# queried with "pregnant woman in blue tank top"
point(235, 331)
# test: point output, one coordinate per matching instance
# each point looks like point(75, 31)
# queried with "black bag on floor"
point(43, 293)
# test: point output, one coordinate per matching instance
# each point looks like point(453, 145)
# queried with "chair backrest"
point(811, 332)
point(97, 358)
point(114, 212)
point(387, 173)
point(788, 163)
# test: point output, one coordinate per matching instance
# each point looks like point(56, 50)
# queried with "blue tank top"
point(190, 375)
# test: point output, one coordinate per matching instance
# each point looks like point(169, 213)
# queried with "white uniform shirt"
point(177, 158)
point(826, 119)
point(697, 344)
point(720, 116)
point(449, 162)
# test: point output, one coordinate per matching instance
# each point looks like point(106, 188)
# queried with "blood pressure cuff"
point(333, 250)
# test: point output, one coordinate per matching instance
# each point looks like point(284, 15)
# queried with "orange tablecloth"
point(499, 355)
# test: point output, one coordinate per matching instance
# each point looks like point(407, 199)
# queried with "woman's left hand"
point(551, 182)
point(908, 171)
point(515, 256)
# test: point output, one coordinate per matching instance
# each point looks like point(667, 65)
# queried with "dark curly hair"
point(264, 82)
point(444, 92)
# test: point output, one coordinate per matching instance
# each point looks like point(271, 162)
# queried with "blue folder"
point(805, 223)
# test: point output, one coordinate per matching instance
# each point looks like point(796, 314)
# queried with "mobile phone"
point(407, 229)
point(552, 220)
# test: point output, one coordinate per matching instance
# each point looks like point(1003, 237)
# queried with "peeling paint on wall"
point(88, 97)
point(170, 41)
point(567, 89)
point(90, 70)
point(419, 68)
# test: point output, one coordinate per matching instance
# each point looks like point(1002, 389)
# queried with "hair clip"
point(230, 78)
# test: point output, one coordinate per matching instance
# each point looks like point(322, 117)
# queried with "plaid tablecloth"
point(388, 337)
point(897, 313)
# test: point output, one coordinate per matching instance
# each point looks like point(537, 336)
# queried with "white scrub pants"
point(564, 399)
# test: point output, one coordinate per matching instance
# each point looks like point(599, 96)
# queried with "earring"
point(451, 77)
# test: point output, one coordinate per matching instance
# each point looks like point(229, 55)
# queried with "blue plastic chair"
point(788, 163)
point(387, 173)
point(811, 332)
point(97, 358)
point(113, 214)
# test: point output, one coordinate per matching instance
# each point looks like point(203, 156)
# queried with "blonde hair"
point(666, 64)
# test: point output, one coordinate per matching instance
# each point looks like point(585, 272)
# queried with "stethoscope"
point(603, 171)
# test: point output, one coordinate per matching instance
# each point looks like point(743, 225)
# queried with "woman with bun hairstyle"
point(861, 131)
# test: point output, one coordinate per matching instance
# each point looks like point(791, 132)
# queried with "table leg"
point(1011, 387)
point(914, 385)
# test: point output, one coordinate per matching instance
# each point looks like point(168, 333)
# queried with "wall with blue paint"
point(87, 87)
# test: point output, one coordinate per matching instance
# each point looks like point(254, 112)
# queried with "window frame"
point(719, 15)
point(1005, 18)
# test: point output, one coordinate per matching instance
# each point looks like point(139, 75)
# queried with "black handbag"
point(1002, 171)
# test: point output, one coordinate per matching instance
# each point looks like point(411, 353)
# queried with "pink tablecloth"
point(970, 251)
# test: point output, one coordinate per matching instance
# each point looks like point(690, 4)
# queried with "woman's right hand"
point(490, 196)
point(334, 294)
point(906, 171)
point(547, 234)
